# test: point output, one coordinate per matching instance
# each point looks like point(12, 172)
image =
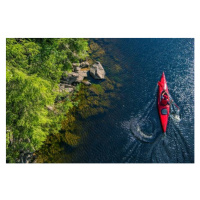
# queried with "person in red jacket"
point(164, 98)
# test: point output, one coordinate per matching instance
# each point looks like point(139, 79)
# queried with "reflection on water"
point(117, 119)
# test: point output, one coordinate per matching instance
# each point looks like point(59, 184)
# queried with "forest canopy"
point(33, 71)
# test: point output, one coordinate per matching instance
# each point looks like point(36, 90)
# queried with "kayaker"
point(164, 98)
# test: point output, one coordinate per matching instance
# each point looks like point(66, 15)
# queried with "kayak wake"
point(158, 148)
point(138, 129)
point(143, 125)
point(175, 112)
point(149, 144)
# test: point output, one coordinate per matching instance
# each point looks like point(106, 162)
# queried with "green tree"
point(34, 68)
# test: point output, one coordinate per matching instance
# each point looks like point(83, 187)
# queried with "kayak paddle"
point(175, 104)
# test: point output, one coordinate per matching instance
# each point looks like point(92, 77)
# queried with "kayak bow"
point(163, 110)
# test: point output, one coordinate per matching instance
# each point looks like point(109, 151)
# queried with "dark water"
point(131, 132)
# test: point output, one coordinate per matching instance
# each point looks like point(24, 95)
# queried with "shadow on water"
point(151, 145)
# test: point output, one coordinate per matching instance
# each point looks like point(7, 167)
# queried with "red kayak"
point(163, 99)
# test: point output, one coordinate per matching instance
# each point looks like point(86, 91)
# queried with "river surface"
point(130, 130)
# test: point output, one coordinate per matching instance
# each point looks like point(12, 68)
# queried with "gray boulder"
point(73, 77)
point(77, 69)
point(70, 78)
point(75, 64)
point(65, 87)
point(97, 71)
point(84, 64)
point(83, 73)
point(87, 83)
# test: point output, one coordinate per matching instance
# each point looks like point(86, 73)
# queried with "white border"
point(99, 19)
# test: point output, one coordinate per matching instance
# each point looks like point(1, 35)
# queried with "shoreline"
point(94, 100)
point(78, 92)
point(33, 70)
point(68, 88)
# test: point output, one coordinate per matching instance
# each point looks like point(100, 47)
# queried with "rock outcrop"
point(73, 77)
point(97, 71)
point(86, 83)
point(66, 87)
point(76, 65)
point(78, 74)
point(69, 79)
point(84, 64)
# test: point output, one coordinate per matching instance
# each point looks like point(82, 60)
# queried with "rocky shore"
point(80, 73)
point(69, 80)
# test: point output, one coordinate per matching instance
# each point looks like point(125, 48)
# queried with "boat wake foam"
point(174, 112)
point(143, 130)
point(149, 144)
point(142, 126)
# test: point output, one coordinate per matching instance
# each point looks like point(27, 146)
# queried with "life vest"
point(164, 102)
point(165, 97)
